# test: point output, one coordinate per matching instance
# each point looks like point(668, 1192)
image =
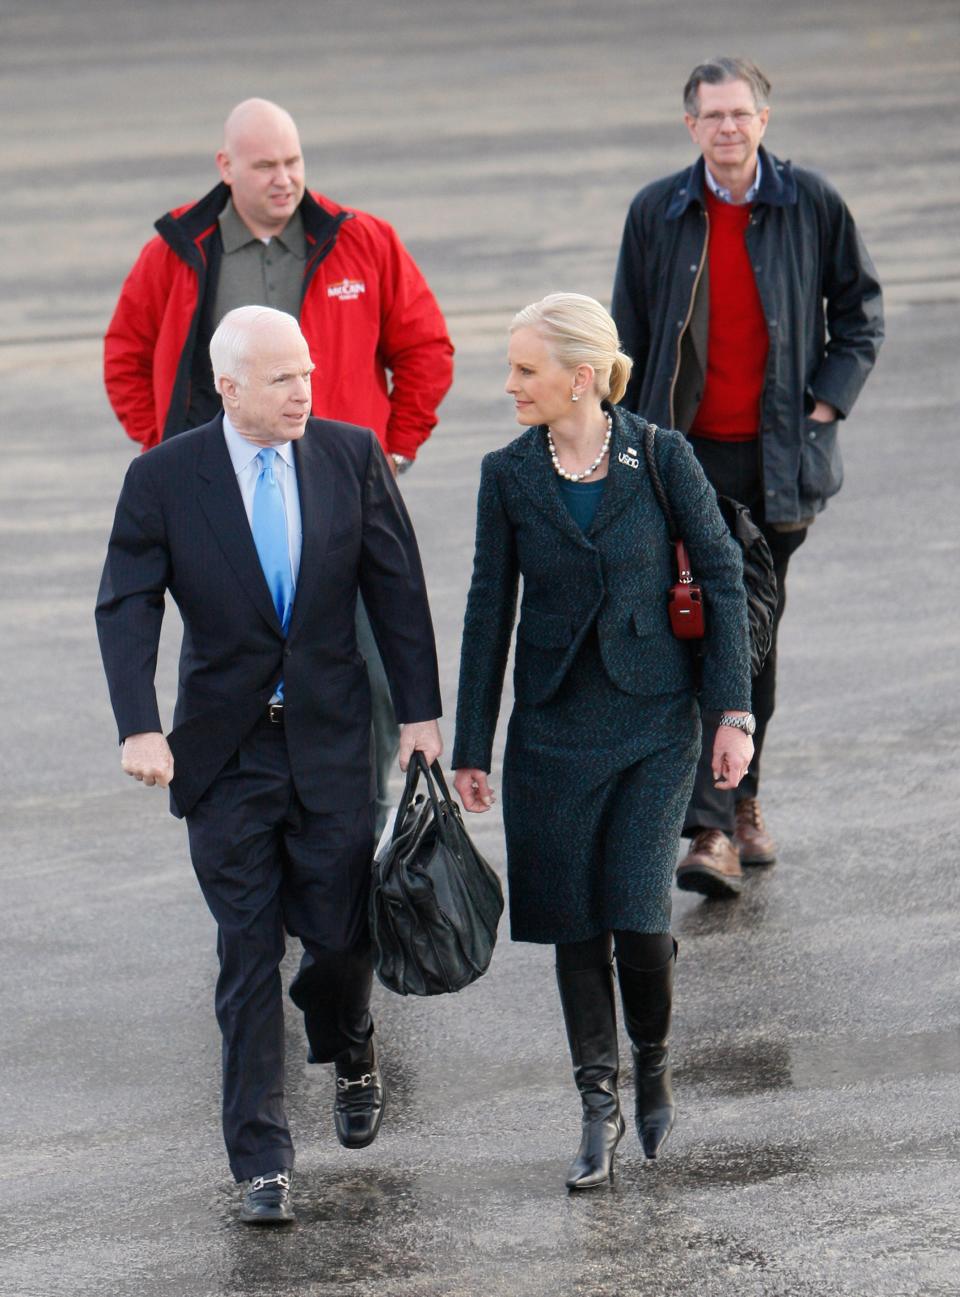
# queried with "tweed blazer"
point(615, 576)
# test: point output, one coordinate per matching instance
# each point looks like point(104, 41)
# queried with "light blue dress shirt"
point(243, 456)
point(724, 194)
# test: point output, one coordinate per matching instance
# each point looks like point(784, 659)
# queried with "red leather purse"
point(684, 598)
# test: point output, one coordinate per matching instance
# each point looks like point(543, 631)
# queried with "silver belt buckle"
point(275, 713)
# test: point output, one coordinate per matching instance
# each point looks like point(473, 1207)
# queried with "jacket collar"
point(540, 483)
point(315, 484)
point(186, 229)
point(222, 503)
point(626, 457)
point(778, 188)
point(537, 477)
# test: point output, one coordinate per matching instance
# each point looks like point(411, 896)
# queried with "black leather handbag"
point(759, 578)
point(435, 903)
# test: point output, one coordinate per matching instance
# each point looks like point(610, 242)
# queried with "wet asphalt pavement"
point(816, 1037)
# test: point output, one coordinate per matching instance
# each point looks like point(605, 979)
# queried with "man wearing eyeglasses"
point(753, 314)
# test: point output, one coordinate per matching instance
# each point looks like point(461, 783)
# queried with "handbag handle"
point(431, 773)
point(406, 797)
point(659, 491)
point(684, 571)
point(418, 766)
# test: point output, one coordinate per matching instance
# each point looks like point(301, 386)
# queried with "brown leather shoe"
point(750, 835)
point(711, 866)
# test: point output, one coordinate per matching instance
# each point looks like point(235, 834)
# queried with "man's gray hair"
point(717, 72)
point(230, 344)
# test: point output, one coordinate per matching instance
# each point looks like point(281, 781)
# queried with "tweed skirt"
point(595, 786)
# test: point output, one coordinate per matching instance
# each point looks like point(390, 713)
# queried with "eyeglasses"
point(713, 121)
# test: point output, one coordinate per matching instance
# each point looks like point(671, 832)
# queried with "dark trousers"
point(267, 865)
point(733, 469)
point(386, 734)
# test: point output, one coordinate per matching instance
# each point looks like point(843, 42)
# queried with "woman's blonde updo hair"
point(580, 332)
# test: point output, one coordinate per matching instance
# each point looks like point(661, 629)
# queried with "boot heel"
point(589, 1012)
point(647, 996)
point(656, 1110)
point(593, 1165)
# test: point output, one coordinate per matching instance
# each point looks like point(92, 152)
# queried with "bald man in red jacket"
point(376, 335)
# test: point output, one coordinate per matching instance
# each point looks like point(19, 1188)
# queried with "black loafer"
point(358, 1108)
point(267, 1200)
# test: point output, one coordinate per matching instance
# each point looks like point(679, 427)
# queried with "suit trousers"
point(267, 865)
point(734, 469)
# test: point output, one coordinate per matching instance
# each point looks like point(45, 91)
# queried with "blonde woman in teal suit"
point(604, 737)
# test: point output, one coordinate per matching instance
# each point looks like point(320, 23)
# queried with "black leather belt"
point(274, 713)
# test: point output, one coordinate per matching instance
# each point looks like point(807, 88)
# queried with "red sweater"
point(737, 340)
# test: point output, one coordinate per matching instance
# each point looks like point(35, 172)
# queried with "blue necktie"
point(270, 538)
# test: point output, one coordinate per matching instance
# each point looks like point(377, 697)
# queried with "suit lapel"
point(222, 503)
point(315, 486)
point(622, 485)
point(536, 476)
point(538, 479)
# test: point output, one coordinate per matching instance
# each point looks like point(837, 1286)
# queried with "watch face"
point(746, 723)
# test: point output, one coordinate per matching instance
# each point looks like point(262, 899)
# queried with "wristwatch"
point(746, 723)
point(401, 462)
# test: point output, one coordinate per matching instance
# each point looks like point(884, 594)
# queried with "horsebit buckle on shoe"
point(261, 1181)
point(365, 1080)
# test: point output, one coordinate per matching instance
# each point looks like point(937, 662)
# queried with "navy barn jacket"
point(821, 301)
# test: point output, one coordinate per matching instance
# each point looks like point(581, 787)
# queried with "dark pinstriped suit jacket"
point(180, 526)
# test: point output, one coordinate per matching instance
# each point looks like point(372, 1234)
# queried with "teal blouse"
point(582, 499)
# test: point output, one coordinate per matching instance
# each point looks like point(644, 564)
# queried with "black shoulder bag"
point(435, 903)
point(759, 578)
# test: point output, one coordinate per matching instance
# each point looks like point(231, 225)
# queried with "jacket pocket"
point(821, 464)
point(545, 629)
point(647, 620)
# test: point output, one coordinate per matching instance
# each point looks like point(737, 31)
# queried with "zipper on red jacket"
point(180, 396)
point(322, 252)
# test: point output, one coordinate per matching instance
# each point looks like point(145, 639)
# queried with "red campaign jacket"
point(366, 310)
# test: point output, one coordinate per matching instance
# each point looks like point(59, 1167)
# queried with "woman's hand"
point(473, 790)
point(732, 754)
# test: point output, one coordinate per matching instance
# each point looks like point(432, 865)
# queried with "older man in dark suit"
point(264, 525)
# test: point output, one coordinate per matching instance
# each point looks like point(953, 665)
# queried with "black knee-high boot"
point(590, 1015)
point(647, 996)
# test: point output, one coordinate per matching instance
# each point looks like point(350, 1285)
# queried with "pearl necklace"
point(578, 477)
